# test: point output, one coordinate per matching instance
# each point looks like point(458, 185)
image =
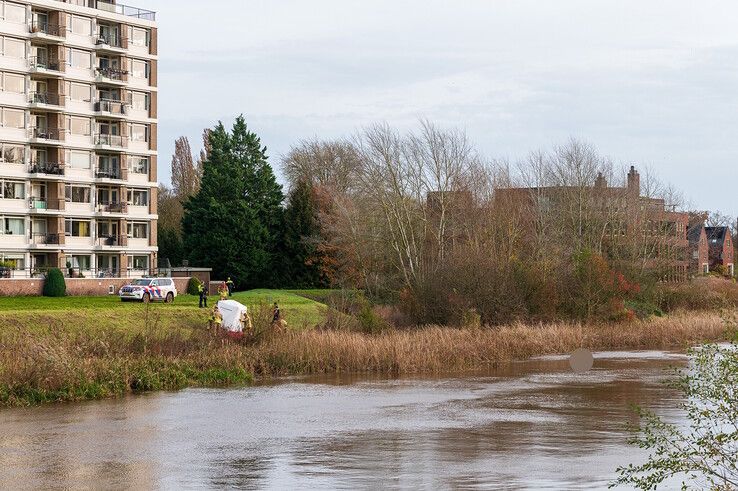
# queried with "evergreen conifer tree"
point(234, 223)
point(301, 238)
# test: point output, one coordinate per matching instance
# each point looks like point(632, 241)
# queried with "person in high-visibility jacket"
point(223, 290)
point(203, 295)
point(216, 319)
point(229, 284)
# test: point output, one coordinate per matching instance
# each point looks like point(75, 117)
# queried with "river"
point(532, 424)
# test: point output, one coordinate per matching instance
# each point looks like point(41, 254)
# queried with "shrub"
point(193, 286)
point(55, 286)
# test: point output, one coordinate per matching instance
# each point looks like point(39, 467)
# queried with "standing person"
point(229, 284)
point(223, 291)
point(203, 296)
point(276, 313)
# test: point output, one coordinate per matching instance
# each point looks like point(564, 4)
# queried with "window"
point(139, 37)
point(13, 190)
point(138, 230)
point(12, 154)
point(13, 118)
point(138, 197)
point(77, 194)
point(140, 69)
point(80, 25)
point(139, 262)
point(14, 12)
point(14, 226)
point(16, 262)
point(79, 126)
point(107, 229)
point(14, 83)
point(139, 100)
point(78, 159)
point(13, 48)
point(80, 262)
point(107, 196)
point(139, 133)
point(78, 58)
point(79, 92)
point(138, 165)
point(77, 228)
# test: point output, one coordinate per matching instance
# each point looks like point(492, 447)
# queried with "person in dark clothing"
point(203, 296)
point(229, 284)
point(276, 313)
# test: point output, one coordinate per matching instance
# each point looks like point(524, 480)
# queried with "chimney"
point(600, 182)
point(634, 181)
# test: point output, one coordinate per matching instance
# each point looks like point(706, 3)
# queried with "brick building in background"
point(720, 244)
point(699, 261)
point(627, 214)
point(78, 139)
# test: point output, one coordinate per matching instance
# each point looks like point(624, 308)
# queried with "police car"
point(149, 290)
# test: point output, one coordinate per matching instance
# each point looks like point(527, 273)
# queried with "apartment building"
point(637, 229)
point(78, 138)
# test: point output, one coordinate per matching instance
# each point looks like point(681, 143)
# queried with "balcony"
point(110, 75)
point(43, 205)
point(108, 172)
point(47, 239)
point(124, 10)
point(110, 142)
point(46, 100)
point(45, 32)
point(111, 43)
point(48, 168)
point(109, 107)
point(47, 136)
point(112, 241)
point(42, 65)
point(112, 207)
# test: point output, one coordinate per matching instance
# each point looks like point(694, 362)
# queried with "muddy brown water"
point(532, 424)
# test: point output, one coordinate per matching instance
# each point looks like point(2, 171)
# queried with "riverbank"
point(63, 363)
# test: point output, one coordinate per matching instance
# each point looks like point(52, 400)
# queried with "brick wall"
point(75, 286)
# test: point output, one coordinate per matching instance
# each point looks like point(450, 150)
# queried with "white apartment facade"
point(78, 138)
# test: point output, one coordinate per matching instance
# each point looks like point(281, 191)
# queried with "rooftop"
point(116, 8)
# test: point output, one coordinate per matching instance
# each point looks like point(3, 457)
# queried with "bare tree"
point(185, 174)
point(333, 164)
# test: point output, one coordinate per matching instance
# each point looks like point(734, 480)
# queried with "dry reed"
point(62, 364)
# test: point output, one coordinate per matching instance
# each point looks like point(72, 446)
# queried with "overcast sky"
point(653, 83)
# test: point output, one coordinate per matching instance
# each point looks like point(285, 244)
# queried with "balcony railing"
point(47, 28)
point(46, 239)
point(110, 106)
point(42, 204)
point(112, 207)
point(115, 74)
point(112, 40)
point(44, 63)
point(117, 8)
point(112, 241)
point(109, 140)
point(108, 172)
point(72, 272)
point(50, 168)
point(48, 98)
point(46, 134)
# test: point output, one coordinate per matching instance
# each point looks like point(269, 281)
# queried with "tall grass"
point(441, 349)
point(63, 364)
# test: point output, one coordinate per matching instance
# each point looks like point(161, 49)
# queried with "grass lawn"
point(111, 312)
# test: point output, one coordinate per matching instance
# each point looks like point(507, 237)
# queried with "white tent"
point(232, 313)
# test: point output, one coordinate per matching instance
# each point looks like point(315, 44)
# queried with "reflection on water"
point(531, 424)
